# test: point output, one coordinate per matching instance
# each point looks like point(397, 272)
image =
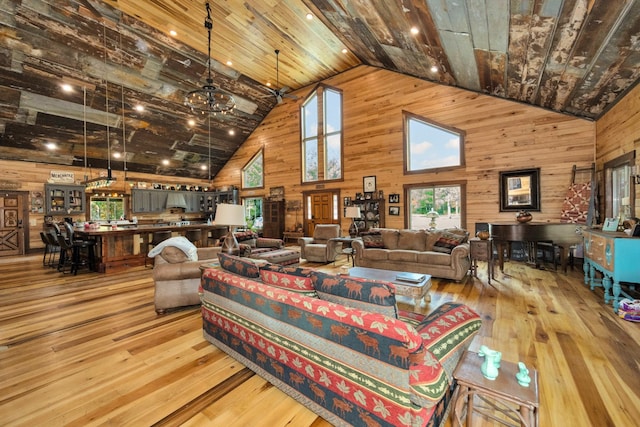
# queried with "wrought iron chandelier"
point(210, 99)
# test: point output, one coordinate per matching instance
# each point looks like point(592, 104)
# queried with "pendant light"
point(210, 98)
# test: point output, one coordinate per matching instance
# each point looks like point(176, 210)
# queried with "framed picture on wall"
point(394, 210)
point(394, 198)
point(369, 184)
point(346, 201)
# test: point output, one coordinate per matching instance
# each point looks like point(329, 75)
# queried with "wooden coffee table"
point(417, 291)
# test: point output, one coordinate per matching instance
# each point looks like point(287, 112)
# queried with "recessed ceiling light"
point(165, 162)
point(232, 132)
point(203, 167)
point(414, 30)
point(345, 50)
point(269, 84)
point(434, 69)
point(139, 108)
point(66, 87)
point(173, 33)
point(309, 16)
point(116, 155)
point(229, 63)
point(191, 122)
point(51, 145)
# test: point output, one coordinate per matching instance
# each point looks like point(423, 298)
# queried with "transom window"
point(253, 172)
point(322, 136)
point(431, 146)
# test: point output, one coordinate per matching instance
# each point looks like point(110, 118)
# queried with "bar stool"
point(158, 237)
point(48, 250)
point(71, 255)
point(194, 236)
point(86, 248)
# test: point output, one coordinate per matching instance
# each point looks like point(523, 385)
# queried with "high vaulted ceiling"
point(572, 56)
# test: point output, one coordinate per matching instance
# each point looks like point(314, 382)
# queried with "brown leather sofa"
point(440, 253)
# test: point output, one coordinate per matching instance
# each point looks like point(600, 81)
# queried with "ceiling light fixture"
point(210, 99)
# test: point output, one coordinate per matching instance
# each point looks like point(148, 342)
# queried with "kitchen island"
point(127, 246)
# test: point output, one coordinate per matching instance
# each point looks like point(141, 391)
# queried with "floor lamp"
point(353, 212)
point(231, 216)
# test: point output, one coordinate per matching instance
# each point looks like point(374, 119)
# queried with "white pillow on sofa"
point(179, 242)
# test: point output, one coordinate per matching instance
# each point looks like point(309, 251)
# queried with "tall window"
point(253, 172)
point(431, 146)
point(322, 136)
point(447, 201)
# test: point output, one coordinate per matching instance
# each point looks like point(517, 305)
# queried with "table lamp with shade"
point(231, 216)
point(432, 215)
point(352, 212)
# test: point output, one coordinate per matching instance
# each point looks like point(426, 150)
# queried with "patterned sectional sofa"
point(337, 344)
point(440, 253)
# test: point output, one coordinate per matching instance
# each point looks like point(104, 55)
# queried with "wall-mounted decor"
point(369, 184)
point(520, 190)
point(368, 196)
point(394, 210)
point(359, 196)
point(37, 202)
point(276, 194)
point(346, 201)
point(394, 198)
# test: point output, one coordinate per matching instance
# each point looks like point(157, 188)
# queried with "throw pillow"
point(447, 241)
point(238, 265)
point(294, 279)
point(372, 239)
point(366, 295)
point(173, 255)
point(179, 242)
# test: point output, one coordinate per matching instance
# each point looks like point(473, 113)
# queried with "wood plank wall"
point(500, 136)
point(618, 133)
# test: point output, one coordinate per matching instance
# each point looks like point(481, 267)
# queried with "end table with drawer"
point(481, 250)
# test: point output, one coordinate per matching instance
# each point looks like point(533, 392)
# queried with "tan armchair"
point(319, 248)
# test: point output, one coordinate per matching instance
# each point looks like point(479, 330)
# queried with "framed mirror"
point(520, 190)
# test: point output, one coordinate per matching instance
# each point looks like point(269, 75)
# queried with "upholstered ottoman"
point(280, 256)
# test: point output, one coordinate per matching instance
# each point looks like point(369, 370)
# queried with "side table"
point(481, 250)
point(292, 235)
point(517, 405)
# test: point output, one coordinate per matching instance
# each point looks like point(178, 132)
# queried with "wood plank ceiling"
point(577, 57)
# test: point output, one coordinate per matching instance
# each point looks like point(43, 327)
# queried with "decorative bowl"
point(524, 216)
point(483, 234)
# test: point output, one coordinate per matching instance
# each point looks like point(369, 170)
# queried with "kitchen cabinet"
point(148, 201)
point(64, 199)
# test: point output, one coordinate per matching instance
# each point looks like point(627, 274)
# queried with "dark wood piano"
point(563, 235)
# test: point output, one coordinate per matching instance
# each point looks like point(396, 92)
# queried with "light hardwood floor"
point(90, 350)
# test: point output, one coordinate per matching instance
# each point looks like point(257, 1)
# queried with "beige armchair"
point(319, 248)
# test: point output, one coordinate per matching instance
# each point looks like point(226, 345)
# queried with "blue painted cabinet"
point(617, 257)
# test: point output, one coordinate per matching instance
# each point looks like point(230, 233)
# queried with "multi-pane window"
point(431, 146)
point(322, 136)
point(253, 172)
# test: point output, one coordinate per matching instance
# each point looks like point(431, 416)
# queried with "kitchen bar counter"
point(128, 245)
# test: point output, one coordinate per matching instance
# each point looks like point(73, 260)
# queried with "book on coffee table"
point(410, 277)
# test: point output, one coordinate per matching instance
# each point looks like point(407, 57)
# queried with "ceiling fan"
point(280, 93)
